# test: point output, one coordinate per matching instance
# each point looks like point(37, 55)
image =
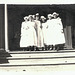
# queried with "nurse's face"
point(55, 16)
point(26, 19)
point(43, 20)
point(37, 17)
point(34, 17)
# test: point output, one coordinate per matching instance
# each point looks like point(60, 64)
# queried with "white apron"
point(49, 32)
point(59, 37)
point(44, 29)
point(24, 41)
point(54, 32)
point(32, 38)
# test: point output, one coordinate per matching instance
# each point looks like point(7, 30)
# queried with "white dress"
point(54, 33)
point(50, 32)
point(39, 33)
point(44, 29)
point(58, 36)
point(32, 38)
point(24, 41)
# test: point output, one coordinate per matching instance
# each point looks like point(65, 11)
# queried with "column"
point(6, 29)
point(68, 30)
point(2, 27)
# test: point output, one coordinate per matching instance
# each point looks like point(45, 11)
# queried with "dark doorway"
point(17, 12)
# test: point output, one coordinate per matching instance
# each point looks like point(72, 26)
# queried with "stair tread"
point(40, 64)
point(29, 52)
point(41, 55)
point(41, 61)
point(20, 58)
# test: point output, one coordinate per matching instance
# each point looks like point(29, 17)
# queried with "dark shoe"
point(42, 48)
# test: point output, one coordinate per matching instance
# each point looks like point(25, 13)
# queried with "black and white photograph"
point(37, 37)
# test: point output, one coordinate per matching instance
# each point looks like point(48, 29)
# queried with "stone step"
point(40, 61)
point(43, 58)
point(42, 55)
point(49, 68)
point(30, 65)
point(39, 56)
point(35, 52)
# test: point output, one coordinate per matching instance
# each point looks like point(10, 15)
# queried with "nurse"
point(58, 31)
point(32, 33)
point(24, 34)
point(49, 33)
point(44, 30)
point(39, 34)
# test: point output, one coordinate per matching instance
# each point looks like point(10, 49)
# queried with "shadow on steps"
point(3, 56)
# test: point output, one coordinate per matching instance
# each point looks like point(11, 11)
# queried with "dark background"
point(17, 12)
